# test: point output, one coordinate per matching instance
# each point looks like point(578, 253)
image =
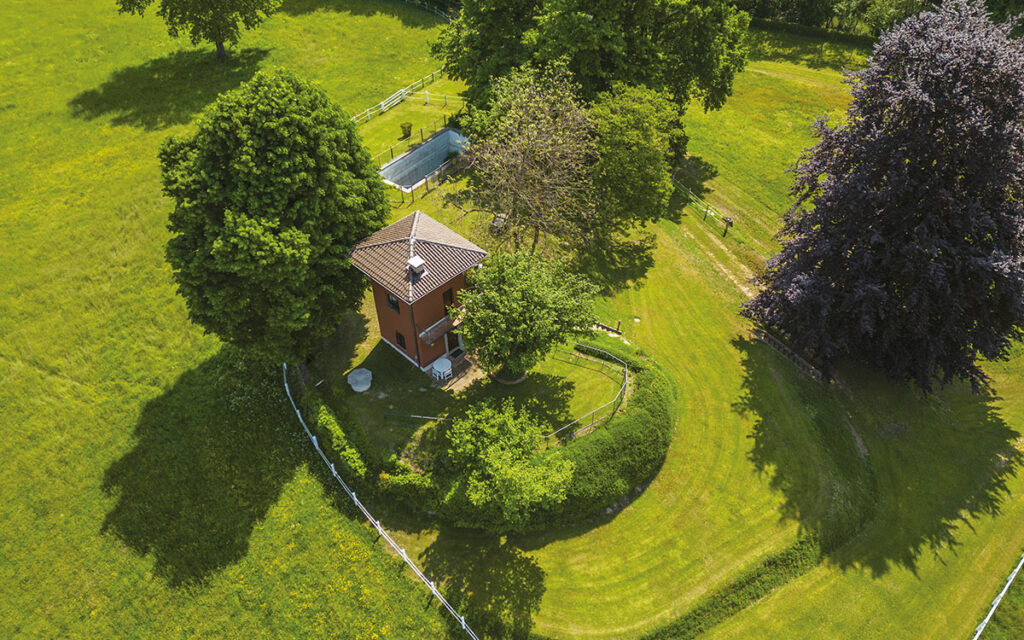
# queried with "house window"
point(400, 339)
point(393, 303)
point(449, 299)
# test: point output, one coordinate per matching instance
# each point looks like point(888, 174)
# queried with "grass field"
point(150, 490)
point(141, 497)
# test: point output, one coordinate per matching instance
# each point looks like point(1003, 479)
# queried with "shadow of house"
point(492, 583)
point(212, 455)
point(923, 468)
point(408, 13)
point(166, 91)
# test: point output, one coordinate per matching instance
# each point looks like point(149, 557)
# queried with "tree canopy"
point(690, 48)
point(519, 308)
point(638, 138)
point(533, 155)
point(270, 191)
point(545, 162)
point(490, 450)
point(216, 21)
point(905, 247)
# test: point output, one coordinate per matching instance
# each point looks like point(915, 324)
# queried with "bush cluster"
point(606, 464)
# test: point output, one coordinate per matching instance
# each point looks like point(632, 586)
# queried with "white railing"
point(618, 396)
point(376, 523)
point(999, 598)
point(395, 98)
point(702, 204)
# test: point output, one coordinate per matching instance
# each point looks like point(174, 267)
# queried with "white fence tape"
point(999, 598)
point(376, 523)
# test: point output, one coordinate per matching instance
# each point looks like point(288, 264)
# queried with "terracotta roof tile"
point(384, 256)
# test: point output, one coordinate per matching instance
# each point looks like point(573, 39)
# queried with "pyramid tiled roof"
point(384, 256)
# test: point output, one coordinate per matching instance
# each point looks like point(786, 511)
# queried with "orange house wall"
point(426, 311)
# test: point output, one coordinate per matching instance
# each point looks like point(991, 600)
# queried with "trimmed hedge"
point(609, 463)
point(334, 440)
point(752, 585)
point(622, 455)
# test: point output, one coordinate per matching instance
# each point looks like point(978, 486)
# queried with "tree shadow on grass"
point(916, 474)
point(212, 455)
point(166, 91)
point(409, 14)
point(695, 172)
point(809, 51)
point(488, 580)
point(617, 263)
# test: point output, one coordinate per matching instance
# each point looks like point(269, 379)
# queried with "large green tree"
point(533, 155)
point(519, 308)
point(498, 482)
point(271, 190)
point(216, 21)
point(638, 138)
point(692, 48)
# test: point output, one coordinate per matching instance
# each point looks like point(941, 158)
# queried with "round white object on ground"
point(359, 379)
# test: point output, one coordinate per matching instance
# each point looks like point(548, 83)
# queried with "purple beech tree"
point(904, 246)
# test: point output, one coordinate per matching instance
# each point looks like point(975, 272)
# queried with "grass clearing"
point(559, 389)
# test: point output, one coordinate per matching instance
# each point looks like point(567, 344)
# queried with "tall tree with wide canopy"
point(533, 155)
point(519, 308)
point(217, 21)
point(271, 190)
point(911, 254)
point(691, 48)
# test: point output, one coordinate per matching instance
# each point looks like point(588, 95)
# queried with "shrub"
point(408, 489)
point(323, 422)
point(619, 456)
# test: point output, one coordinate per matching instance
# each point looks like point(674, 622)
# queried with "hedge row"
point(622, 455)
point(609, 463)
point(754, 584)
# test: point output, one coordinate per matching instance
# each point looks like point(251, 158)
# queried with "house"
point(416, 266)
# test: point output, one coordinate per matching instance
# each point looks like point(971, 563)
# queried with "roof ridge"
point(360, 247)
point(412, 232)
point(454, 246)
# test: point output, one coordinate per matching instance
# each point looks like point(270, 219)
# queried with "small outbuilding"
point(416, 267)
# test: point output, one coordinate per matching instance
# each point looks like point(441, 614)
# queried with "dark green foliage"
point(752, 585)
point(271, 190)
point(323, 423)
point(691, 49)
point(497, 484)
point(408, 489)
point(619, 456)
point(216, 21)
point(639, 136)
point(519, 308)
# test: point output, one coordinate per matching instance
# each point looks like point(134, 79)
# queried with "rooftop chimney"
point(417, 266)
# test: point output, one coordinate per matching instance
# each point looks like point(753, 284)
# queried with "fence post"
point(392, 150)
point(421, 134)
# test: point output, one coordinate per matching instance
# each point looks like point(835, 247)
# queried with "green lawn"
point(1008, 621)
point(154, 489)
point(145, 494)
point(559, 389)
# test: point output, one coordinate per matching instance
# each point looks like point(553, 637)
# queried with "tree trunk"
point(536, 239)
point(221, 53)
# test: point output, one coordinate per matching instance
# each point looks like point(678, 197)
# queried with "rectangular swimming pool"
point(408, 170)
